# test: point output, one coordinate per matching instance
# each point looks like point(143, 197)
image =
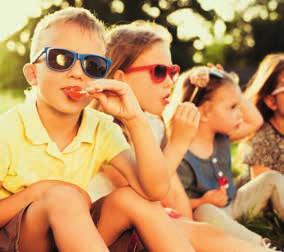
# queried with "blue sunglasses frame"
point(76, 56)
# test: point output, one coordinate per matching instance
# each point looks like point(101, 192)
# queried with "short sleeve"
point(4, 160)
point(113, 142)
point(261, 151)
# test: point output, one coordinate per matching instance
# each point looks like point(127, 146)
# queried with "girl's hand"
point(116, 98)
point(217, 197)
point(185, 123)
point(217, 66)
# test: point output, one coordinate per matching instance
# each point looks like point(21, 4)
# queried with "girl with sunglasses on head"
point(205, 171)
point(141, 57)
point(266, 90)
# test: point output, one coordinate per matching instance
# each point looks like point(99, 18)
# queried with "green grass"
point(267, 224)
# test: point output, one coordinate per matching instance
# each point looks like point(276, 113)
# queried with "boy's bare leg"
point(63, 214)
point(124, 208)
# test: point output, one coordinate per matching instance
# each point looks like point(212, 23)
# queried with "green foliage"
point(10, 98)
point(234, 34)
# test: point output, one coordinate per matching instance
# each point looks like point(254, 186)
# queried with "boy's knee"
point(63, 197)
point(127, 200)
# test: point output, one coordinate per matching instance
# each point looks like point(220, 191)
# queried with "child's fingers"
point(191, 113)
point(184, 110)
point(196, 119)
point(108, 84)
point(219, 67)
point(178, 112)
point(101, 97)
point(209, 64)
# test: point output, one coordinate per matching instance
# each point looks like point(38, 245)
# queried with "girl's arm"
point(184, 126)
point(149, 168)
point(147, 173)
point(217, 197)
point(252, 120)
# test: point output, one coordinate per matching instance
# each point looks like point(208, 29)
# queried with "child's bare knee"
point(122, 198)
point(63, 197)
point(129, 202)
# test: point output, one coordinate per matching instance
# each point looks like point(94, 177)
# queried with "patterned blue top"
point(201, 175)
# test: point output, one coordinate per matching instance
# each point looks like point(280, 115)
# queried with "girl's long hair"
point(264, 81)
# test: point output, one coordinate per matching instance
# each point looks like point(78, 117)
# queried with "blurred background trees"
point(235, 33)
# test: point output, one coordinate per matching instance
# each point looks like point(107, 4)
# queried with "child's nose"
point(168, 82)
point(76, 71)
point(240, 114)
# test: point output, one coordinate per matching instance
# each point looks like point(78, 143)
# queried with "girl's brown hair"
point(125, 43)
point(264, 81)
point(197, 95)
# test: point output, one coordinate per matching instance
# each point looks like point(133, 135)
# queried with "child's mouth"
point(75, 93)
point(166, 99)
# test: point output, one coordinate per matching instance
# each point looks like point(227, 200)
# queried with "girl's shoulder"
point(267, 133)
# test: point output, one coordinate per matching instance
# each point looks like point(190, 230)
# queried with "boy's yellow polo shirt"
point(28, 155)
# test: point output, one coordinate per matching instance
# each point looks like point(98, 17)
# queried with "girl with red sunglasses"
point(141, 57)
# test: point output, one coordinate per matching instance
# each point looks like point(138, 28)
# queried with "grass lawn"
point(267, 224)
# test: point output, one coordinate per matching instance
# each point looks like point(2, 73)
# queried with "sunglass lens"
point(174, 72)
point(160, 72)
point(60, 59)
point(94, 66)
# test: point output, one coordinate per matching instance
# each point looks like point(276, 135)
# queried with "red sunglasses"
point(158, 72)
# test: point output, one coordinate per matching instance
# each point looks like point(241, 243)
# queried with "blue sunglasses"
point(60, 59)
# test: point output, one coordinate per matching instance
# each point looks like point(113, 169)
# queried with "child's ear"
point(270, 102)
point(30, 73)
point(119, 75)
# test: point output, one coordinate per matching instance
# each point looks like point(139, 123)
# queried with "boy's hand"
point(185, 123)
point(217, 197)
point(116, 98)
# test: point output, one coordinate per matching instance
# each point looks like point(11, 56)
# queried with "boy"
point(53, 145)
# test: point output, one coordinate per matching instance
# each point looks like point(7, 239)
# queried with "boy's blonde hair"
point(80, 16)
point(125, 43)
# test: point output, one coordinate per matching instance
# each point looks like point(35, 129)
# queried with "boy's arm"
point(252, 120)
point(12, 205)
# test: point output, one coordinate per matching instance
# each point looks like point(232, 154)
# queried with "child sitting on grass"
point(53, 145)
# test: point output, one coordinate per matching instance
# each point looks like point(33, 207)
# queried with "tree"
point(234, 33)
